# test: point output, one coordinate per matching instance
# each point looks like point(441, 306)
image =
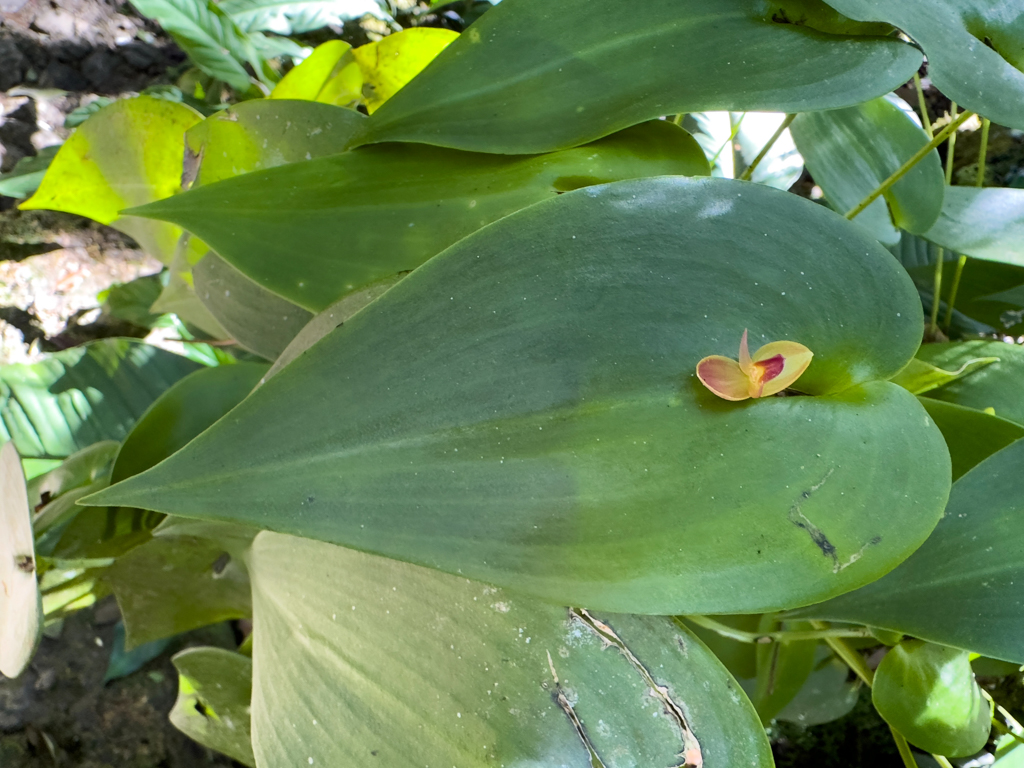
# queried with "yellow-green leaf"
point(390, 63)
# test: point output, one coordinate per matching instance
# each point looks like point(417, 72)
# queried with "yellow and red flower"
point(768, 371)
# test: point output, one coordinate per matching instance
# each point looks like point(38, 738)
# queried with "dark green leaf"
point(927, 692)
point(971, 436)
point(850, 152)
point(782, 669)
point(524, 410)
point(962, 587)
point(828, 694)
point(214, 688)
point(83, 395)
point(351, 220)
point(124, 662)
point(416, 667)
point(973, 48)
point(182, 412)
point(533, 76)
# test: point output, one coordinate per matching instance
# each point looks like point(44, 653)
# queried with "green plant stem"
point(986, 125)
point(998, 725)
point(904, 749)
point(933, 326)
point(749, 172)
point(852, 659)
point(678, 119)
point(922, 104)
point(902, 171)
point(782, 636)
point(734, 128)
point(979, 180)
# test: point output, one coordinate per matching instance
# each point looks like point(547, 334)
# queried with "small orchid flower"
point(770, 370)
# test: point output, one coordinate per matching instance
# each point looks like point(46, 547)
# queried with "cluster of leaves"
point(466, 281)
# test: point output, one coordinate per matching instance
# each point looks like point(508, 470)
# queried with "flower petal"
point(795, 359)
point(723, 377)
point(745, 364)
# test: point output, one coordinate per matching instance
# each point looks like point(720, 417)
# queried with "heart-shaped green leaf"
point(360, 660)
point(973, 48)
point(962, 587)
point(996, 386)
point(214, 688)
point(987, 223)
point(315, 231)
point(927, 692)
point(524, 410)
point(850, 152)
point(21, 614)
point(128, 153)
point(533, 76)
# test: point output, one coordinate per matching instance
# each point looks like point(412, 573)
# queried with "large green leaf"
point(850, 152)
point(182, 579)
point(524, 410)
point(533, 76)
point(361, 660)
point(315, 231)
point(20, 608)
point(214, 688)
point(265, 133)
point(971, 436)
point(83, 395)
point(927, 692)
point(182, 412)
point(973, 48)
point(996, 386)
point(128, 153)
point(258, 319)
point(962, 587)
point(987, 223)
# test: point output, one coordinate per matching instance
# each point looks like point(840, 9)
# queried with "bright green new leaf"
point(987, 223)
point(182, 580)
point(391, 62)
point(329, 75)
point(850, 152)
point(127, 154)
point(313, 232)
point(258, 319)
point(973, 48)
point(262, 134)
point(21, 614)
point(927, 692)
point(920, 377)
point(211, 38)
point(182, 412)
point(971, 436)
point(524, 410)
point(996, 386)
point(214, 688)
point(533, 75)
point(962, 587)
point(83, 395)
point(362, 660)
